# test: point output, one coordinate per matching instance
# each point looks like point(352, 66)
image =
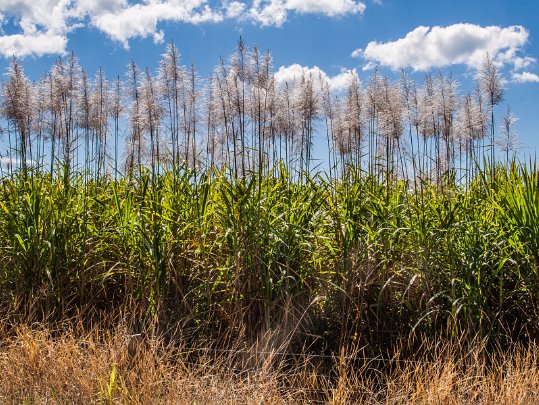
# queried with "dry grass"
point(39, 366)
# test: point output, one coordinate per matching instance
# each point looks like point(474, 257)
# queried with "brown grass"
point(41, 366)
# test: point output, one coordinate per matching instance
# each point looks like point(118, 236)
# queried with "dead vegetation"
point(43, 366)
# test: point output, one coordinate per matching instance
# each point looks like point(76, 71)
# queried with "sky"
point(333, 36)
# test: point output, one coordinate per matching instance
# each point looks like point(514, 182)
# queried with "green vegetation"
point(217, 224)
point(340, 259)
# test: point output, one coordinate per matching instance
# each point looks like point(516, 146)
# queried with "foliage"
point(251, 254)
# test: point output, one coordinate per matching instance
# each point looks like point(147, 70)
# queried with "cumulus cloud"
point(37, 44)
point(52, 15)
point(98, 6)
point(426, 48)
point(328, 7)
point(43, 27)
point(122, 20)
point(341, 81)
point(234, 9)
point(268, 13)
point(275, 12)
point(525, 77)
point(140, 20)
point(289, 74)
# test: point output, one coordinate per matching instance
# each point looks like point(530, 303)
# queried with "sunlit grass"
point(354, 255)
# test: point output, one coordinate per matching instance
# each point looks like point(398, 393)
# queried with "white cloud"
point(99, 6)
point(342, 80)
point(521, 63)
point(49, 14)
point(37, 44)
point(425, 48)
point(119, 19)
point(525, 77)
point(234, 9)
point(357, 53)
point(140, 20)
point(275, 12)
point(43, 25)
point(272, 13)
point(122, 20)
point(289, 74)
point(327, 7)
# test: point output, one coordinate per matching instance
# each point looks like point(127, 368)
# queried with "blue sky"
point(330, 35)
